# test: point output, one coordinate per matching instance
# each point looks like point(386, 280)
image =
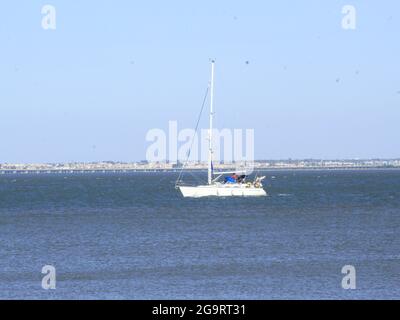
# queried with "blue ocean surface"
point(133, 236)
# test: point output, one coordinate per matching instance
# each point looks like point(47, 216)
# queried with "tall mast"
point(210, 150)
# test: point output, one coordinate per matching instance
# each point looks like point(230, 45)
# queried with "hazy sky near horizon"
point(112, 70)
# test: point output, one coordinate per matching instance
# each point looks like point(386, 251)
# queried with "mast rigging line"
point(194, 135)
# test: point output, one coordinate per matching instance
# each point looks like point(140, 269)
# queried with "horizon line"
point(195, 161)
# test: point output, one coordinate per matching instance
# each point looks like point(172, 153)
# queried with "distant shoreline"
point(10, 172)
point(144, 166)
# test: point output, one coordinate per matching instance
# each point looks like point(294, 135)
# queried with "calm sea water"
point(132, 236)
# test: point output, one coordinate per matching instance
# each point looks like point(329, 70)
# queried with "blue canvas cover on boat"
point(229, 180)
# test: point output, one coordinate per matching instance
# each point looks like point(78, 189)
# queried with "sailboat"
point(232, 185)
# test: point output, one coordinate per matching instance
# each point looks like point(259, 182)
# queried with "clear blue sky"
point(112, 70)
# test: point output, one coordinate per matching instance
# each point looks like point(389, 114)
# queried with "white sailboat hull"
point(222, 191)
